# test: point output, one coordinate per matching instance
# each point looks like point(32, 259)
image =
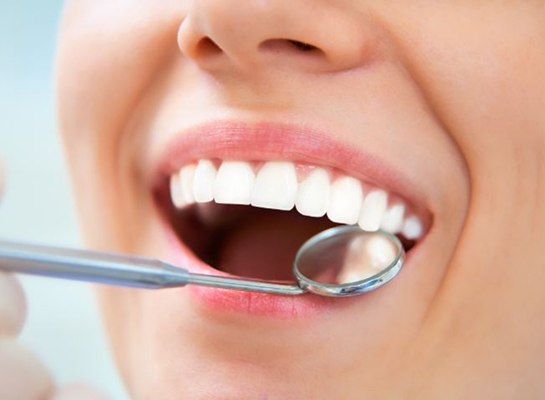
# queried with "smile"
point(239, 200)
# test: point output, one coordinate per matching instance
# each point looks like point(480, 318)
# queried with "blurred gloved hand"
point(22, 374)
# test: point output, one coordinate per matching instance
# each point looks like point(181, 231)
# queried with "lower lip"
point(224, 301)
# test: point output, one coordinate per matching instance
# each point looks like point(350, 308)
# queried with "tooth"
point(234, 183)
point(186, 182)
point(412, 228)
point(366, 257)
point(345, 200)
point(392, 221)
point(381, 252)
point(203, 182)
point(372, 210)
point(355, 264)
point(176, 191)
point(275, 186)
point(313, 194)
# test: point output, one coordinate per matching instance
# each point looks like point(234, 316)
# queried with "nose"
point(257, 35)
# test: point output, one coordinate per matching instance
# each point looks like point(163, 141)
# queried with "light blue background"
point(63, 324)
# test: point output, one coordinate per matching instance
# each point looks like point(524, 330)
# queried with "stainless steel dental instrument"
point(317, 266)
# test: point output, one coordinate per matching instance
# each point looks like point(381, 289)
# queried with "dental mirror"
point(341, 261)
point(346, 261)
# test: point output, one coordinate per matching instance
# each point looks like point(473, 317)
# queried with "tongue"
point(265, 245)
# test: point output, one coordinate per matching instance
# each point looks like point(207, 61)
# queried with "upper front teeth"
point(345, 200)
point(234, 183)
point(313, 194)
point(277, 185)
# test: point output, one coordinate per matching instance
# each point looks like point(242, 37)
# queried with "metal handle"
point(83, 265)
point(118, 269)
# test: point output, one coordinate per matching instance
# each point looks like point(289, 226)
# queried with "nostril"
point(303, 46)
point(207, 47)
point(289, 45)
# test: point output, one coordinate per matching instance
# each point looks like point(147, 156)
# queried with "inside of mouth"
point(246, 241)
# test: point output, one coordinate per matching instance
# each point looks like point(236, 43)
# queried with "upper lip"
point(261, 141)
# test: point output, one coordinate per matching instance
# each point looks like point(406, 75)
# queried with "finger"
point(12, 305)
point(23, 376)
point(78, 391)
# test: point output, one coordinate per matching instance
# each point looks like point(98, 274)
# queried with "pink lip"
point(233, 301)
point(222, 301)
point(268, 141)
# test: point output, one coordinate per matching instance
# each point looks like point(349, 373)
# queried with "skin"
point(453, 99)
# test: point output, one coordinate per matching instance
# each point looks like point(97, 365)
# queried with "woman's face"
point(436, 107)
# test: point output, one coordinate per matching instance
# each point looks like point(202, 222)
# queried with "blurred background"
point(63, 325)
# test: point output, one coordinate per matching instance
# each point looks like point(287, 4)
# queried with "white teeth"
point(203, 182)
point(366, 257)
point(176, 193)
point(412, 228)
point(186, 182)
point(372, 210)
point(381, 252)
point(234, 183)
point(345, 200)
point(392, 221)
point(313, 194)
point(275, 186)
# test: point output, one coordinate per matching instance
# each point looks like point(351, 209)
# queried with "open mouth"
point(248, 218)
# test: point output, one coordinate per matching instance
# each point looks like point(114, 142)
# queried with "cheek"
point(482, 69)
point(108, 55)
point(118, 317)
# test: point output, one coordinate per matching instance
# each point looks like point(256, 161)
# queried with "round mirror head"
point(345, 261)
